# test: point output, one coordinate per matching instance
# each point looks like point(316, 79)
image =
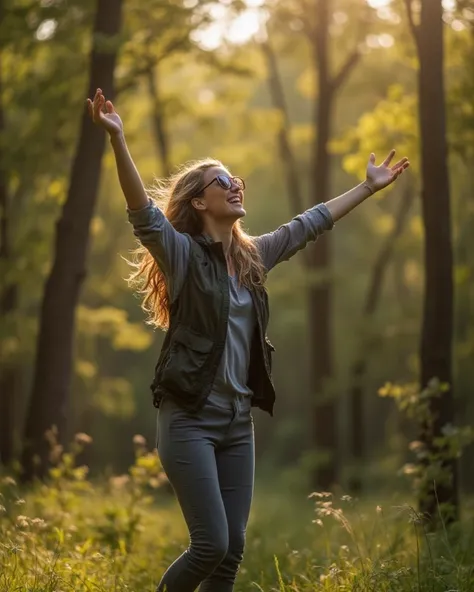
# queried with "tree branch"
point(411, 20)
point(286, 152)
point(346, 69)
point(385, 253)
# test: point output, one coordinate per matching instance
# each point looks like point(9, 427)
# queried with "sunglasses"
point(226, 182)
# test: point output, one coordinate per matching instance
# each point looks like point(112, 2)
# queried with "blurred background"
point(293, 96)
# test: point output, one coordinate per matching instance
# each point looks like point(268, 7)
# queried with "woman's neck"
point(220, 233)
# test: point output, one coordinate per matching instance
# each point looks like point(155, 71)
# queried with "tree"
point(50, 393)
point(8, 299)
point(437, 324)
point(318, 258)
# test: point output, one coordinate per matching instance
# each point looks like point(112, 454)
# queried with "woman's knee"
point(210, 550)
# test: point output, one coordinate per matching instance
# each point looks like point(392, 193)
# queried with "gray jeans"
point(209, 460)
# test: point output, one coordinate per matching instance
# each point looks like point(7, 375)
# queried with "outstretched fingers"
point(388, 160)
point(98, 105)
point(403, 163)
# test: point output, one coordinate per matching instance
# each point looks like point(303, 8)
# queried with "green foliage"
point(432, 455)
point(393, 123)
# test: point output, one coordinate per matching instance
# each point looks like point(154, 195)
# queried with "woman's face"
point(219, 203)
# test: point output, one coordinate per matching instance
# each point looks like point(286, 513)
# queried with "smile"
point(234, 199)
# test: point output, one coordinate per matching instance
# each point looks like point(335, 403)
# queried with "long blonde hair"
point(174, 196)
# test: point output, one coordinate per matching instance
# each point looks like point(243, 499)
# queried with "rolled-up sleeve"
point(169, 248)
point(284, 242)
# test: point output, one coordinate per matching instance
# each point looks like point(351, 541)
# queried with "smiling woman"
point(203, 280)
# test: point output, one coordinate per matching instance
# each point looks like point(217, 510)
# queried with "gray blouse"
point(171, 251)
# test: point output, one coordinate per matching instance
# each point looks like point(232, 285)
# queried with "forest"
point(364, 475)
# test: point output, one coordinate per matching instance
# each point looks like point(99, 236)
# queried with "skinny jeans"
point(209, 459)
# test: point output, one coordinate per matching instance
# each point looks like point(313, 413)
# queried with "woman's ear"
point(198, 203)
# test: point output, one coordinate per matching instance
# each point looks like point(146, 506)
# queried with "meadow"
point(120, 532)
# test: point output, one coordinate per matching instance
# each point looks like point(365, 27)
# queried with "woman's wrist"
point(117, 138)
point(369, 187)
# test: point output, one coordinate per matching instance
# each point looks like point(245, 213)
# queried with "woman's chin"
point(238, 212)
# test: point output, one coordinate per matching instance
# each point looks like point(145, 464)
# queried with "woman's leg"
point(235, 466)
point(186, 446)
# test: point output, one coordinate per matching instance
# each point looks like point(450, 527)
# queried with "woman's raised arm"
point(377, 177)
point(130, 181)
point(281, 244)
point(168, 247)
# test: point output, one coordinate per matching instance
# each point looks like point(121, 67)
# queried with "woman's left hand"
point(383, 175)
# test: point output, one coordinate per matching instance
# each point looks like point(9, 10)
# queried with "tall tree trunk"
point(437, 327)
point(320, 255)
point(317, 257)
point(8, 301)
point(50, 394)
point(159, 125)
point(359, 367)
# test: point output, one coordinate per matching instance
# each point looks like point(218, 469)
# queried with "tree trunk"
point(54, 358)
point(319, 261)
point(8, 304)
point(317, 257)
point(437, 327)
point(359, 368)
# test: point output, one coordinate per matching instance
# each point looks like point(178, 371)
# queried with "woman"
point(202, 278)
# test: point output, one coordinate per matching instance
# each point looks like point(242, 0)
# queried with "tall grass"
point(119, 534)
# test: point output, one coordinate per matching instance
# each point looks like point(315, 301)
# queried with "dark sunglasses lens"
point(224, 181)
point(239, 182)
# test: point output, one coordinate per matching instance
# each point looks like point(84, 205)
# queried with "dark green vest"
point(195, 340)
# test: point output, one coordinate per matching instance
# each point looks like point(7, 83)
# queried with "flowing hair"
point(173, 196)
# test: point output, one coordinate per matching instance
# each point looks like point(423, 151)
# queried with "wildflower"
point(139, 440)
point(82, 438)
point(410, 469)
point(344, 548)
point(55, 453)
point(20, 502)
point(378, 509)
point(9, 481)
point(119, 481)
point(22, 521)
point(39, 522)
point(416, 445)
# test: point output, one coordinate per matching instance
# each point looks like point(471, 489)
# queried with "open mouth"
point(234, 199)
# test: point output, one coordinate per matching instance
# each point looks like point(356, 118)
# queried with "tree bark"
point(359, 368)
point(54, 358)
point(317, 257)
point(9, 373)
point(437, 324)
point(320, 255)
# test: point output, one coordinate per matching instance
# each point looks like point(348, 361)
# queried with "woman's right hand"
point(108, 119)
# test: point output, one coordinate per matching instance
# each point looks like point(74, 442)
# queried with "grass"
point(120, 534)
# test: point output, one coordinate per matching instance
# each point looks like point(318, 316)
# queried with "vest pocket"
point(187, 355)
